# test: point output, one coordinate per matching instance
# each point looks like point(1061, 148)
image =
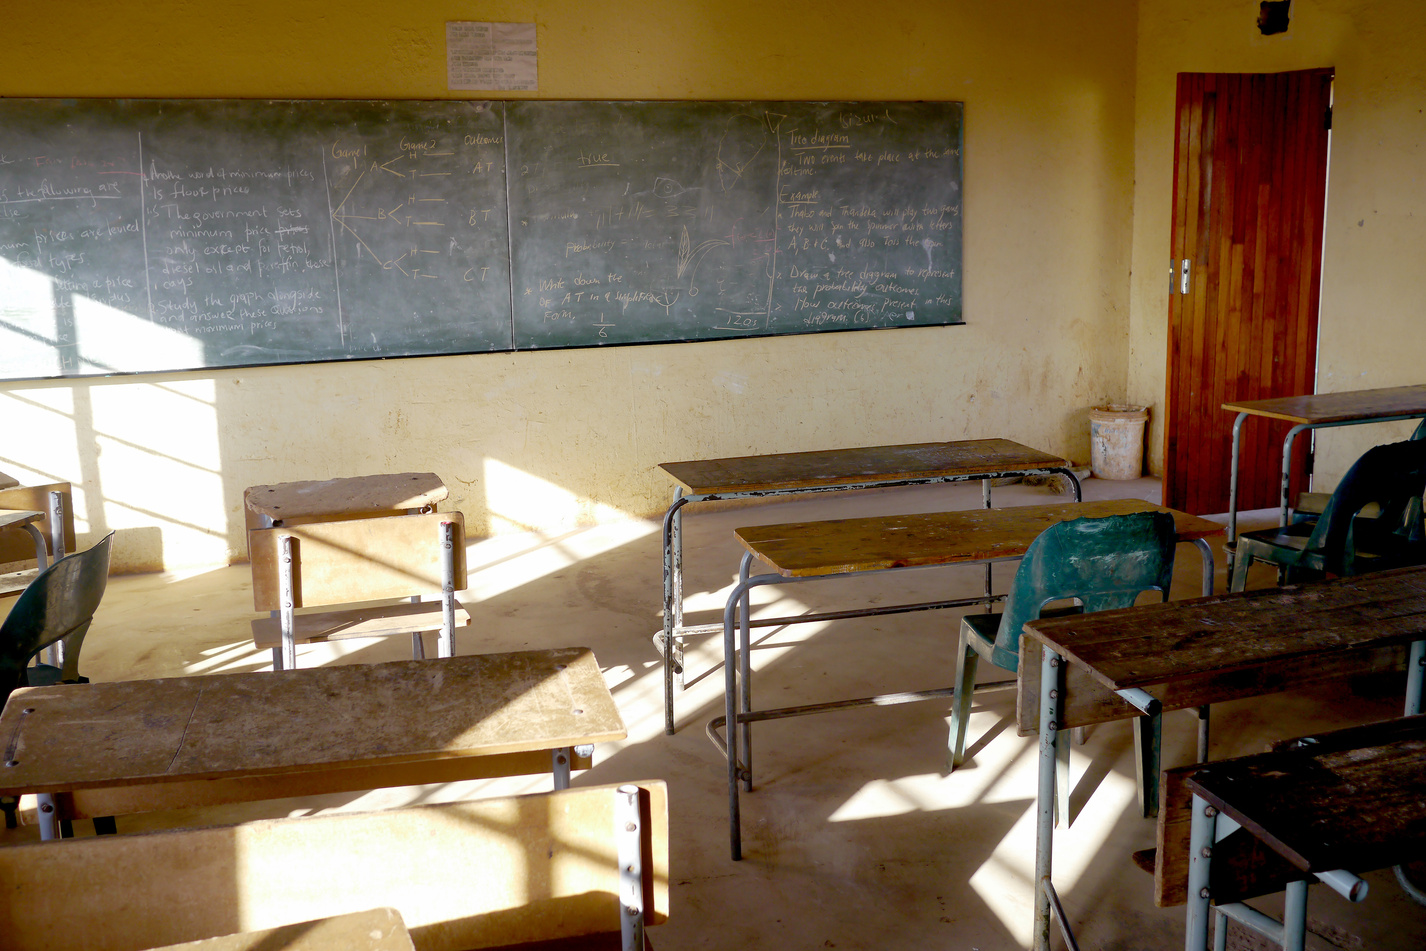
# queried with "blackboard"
point(149, 235)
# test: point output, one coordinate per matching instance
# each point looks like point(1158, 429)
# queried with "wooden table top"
point(1231, 634)
point(1339, 407)
point(1353, 799)
point(16, 518)
point(396, 492)
point(93, 736)
point(842, 546)
point(832, 467)
point(380, 929)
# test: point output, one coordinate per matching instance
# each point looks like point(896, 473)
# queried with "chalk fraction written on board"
point(647, 221)
point(160, 235)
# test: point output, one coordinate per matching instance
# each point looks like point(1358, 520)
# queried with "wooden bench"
point(380, 929)
point(57, 513)
point(322, 564)
point(483, 874)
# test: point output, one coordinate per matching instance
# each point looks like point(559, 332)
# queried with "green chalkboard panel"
point(654, 221)
point(149, 235)
point(140, 235)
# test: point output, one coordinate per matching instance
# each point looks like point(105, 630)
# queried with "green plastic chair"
point(1101, 563)
point(1390, 477)
point(58, 605)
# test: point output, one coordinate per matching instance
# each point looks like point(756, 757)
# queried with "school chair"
point(1392, 477)
point(57, 607)
point(1310, 505)
point(575, 864)
point(1100, 563)
point(354, 562)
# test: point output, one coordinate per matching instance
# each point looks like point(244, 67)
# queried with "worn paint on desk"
point(842, 546)
point(79, 736)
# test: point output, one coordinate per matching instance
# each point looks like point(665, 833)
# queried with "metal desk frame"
point(1284, 507)
point(737, 669)
point(669, 641)
point(1051, 692)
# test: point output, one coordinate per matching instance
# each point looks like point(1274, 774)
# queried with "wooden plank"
point(1088, 701)
point(373, 621)
point(380, 929)
point(8, 481)
point(86, 736)
point(20, 546)
point(157, 797)
point(13, 582)
point(841, 546)
point(1339, 407)
point(462, 875)
point(1227, 634)
point(354, 560)
point(328, 498)
point(831, 467)
point(1361, 806)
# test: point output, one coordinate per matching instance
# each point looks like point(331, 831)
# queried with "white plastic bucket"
point(1116, 441)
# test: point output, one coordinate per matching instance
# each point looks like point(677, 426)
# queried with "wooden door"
point(1250, 181)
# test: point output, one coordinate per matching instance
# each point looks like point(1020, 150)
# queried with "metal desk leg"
point(49, 824)
point(1205, 552)
point(1415, 677)
point(745, 668)
point(559, 762)
point(1284, 487)
point(730, 708)
point(989, 579)
point(1233, 490)
point(672, 598)
point(1051, 689)
point(1201, 836)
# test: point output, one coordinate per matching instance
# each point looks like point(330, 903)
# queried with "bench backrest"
point(366, 559)
point(463, 875)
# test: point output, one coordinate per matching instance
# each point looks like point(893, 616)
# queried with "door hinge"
point(1183, 279)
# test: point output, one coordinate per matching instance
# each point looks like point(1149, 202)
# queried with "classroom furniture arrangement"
point(846, 547)
point(460, 877)
point(354, 541)
point(831, 470)
point(1321, 808)
point(125, 747)
point(247, 232)
point(1317, 411)
point(1146, 660)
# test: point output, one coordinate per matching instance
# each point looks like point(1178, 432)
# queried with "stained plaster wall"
point(1375, 228)
point(550, 440)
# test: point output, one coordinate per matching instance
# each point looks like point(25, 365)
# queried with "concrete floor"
point(854, 836)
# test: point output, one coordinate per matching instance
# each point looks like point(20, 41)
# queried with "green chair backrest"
point(61, 600)
point(1394, 477)
point(1103, 563)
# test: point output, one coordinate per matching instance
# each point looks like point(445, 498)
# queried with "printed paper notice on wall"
point(491, 56)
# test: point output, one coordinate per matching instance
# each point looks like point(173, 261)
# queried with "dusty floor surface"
point(854, 836)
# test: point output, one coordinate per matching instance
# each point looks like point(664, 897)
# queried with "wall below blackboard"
point(152, 235)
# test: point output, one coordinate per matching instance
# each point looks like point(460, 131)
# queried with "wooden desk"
point(134, 746)
point(1116, 665)
point(8, 481)
point(840, 548)
point(1330, 806)
point(380, 929)
point(1319, 411)
point(831, 470)
point(285, 503)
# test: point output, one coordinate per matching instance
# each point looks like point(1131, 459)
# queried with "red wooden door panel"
point(1250, 180)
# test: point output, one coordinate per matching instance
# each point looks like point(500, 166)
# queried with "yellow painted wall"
point(548, 440)
point(1375, 233)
